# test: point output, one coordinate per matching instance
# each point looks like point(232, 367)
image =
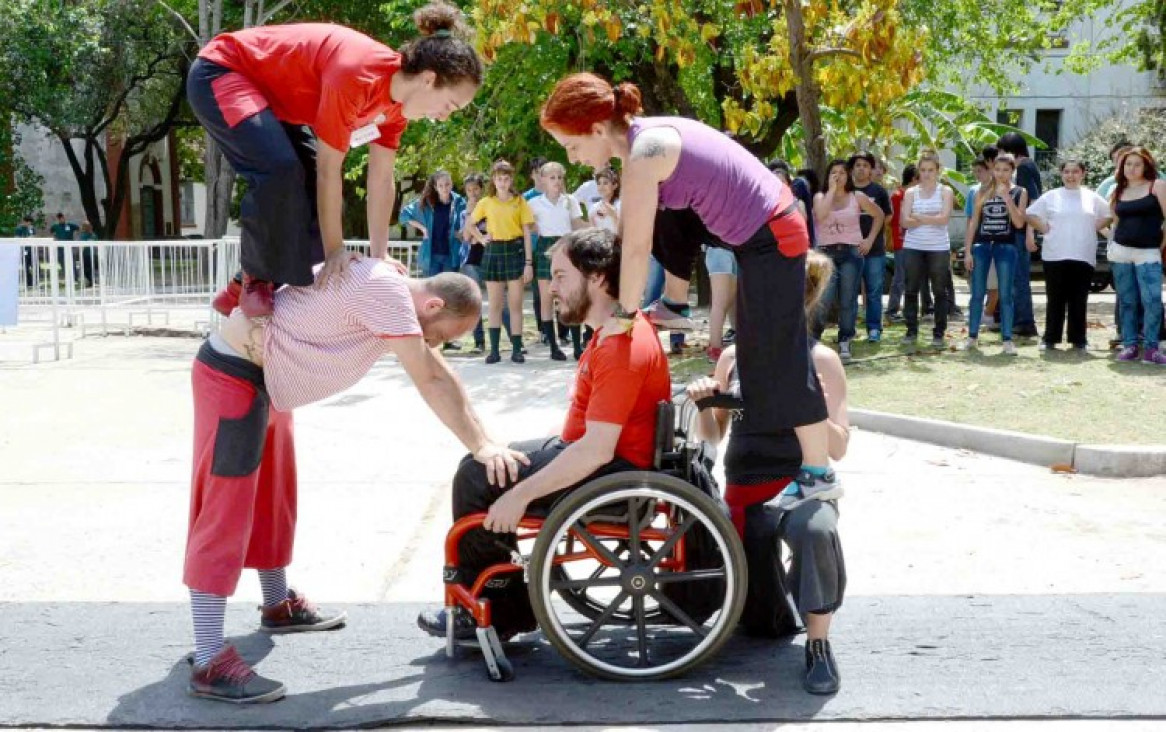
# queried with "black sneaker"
point(451, 346)
point(517, 357)
point(493, 357)
point(228, 678)
point(433, 622)
point(729, 336)
point(1028, 331)
point(821, 671)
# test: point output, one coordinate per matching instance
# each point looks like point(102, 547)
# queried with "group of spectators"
point(857, 224)
point(501, 238)
point(37, 261)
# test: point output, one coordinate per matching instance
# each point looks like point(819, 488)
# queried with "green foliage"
point(1143, 127)
point(24, 198)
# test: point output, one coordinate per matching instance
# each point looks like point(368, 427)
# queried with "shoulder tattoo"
point(649, 149)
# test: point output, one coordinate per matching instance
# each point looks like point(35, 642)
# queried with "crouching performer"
point(610, 427)
point(767, 508)
point(247, 379)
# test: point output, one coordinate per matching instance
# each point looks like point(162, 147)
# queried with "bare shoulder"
point(657, 143)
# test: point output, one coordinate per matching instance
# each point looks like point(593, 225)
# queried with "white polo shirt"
point(554, 219)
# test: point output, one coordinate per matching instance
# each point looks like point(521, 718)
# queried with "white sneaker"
point(1009, 348)
point(970, 344)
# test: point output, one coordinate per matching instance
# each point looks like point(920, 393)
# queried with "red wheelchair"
point(632, 576)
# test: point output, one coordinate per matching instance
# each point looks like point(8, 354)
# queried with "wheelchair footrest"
point(498, 667)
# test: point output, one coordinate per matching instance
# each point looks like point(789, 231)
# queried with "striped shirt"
point(319, 342)
point(929, 237)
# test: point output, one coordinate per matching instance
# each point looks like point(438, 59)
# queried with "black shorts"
point(677, 237)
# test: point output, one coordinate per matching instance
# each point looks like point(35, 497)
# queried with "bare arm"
point(832, 376)
point(906, 216)
point(653, 158)
point(582, 458)
point(382, 194)
point(443, 392)
point(330, 195)
point(713, 423)
point(821, 207)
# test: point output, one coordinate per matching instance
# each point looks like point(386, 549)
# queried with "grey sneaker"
point(1009, 348)
point(938, 343)
point(808, 487)
point(228, 678)
point(665, 318)
point(970, 344)
point(844, 351)
point(910, 339)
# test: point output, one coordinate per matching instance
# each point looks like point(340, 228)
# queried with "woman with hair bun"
point(285, 103)
point(678, 163)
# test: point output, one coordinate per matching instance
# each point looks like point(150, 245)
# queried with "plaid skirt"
point(542, 263)
point(503, 261)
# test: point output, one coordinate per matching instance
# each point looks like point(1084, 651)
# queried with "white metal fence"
point(65, 290)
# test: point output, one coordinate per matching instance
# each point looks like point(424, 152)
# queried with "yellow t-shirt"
point(504, 219)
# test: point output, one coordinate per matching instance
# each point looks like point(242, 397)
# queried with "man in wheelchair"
point(610, 427)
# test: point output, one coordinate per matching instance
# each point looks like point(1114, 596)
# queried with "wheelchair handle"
point(721, 400)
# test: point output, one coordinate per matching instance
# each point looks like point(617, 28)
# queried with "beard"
point(573, 309)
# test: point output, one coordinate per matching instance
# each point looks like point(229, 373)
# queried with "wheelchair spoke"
point(583, 584)
point(597, 546)
point(693, 576)
point(679, 614)
point(641, 629)
point(671, 542)
point(603, 618)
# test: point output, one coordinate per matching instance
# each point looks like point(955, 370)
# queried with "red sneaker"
point(228, 298)
point(257, 296)
point(297, 615)
point(228, 678)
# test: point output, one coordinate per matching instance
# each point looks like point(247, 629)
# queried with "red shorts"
point(243, 489)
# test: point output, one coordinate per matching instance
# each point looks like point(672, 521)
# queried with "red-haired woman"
point(284, 103)
point(1138, 203)
point(678, 163)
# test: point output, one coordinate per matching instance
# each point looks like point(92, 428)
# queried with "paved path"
point(979, 588)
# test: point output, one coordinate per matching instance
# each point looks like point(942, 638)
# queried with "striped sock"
point(274, 584)
point(208, 611)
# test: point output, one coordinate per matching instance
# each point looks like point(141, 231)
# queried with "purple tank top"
point(730, 190)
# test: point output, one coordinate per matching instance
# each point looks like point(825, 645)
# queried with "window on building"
point(1048, 131)
point(1011, 117)
point(187, 196)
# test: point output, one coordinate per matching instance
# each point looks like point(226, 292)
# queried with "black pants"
point(934, 267)
point(817, 574)
point(280, 233)
point(472, 493)
point(1067, 286)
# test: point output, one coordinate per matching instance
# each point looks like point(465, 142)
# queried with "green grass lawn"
point(1082, 397)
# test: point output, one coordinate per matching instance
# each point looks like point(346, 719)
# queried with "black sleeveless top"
point(1139, 222)
point(752, 458)
point(995, 222)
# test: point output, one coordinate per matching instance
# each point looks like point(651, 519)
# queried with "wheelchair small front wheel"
point(657, 610)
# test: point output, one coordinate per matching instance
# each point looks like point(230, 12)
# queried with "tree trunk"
point(84, 177)
point(220, 183)
point(807, 91)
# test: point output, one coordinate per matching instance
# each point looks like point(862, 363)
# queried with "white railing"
point(63, 290)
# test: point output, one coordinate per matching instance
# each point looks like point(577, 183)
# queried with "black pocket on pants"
point(239, 442)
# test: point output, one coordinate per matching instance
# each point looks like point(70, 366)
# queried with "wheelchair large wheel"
point(665, 518)
point(584, 602)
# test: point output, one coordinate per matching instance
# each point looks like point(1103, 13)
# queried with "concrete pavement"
point(979, 588)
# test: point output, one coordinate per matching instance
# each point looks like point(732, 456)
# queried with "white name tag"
point(364, 135)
